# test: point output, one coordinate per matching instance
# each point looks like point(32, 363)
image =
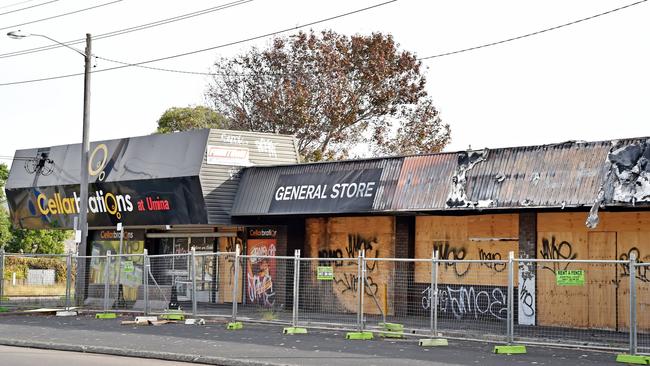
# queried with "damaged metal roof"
point(569, 174)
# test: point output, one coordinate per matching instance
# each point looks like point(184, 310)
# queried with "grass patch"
point(34, 290)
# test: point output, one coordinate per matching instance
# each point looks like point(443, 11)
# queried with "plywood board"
point(637, 242)
point(487, 237)
point(227, 270)
point(600, 280)
point(561, 305)
point(345, 237)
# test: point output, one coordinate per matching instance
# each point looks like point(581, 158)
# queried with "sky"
point(588, 81)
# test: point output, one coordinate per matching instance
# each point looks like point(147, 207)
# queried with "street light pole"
point(80, 286)
point(85, 147)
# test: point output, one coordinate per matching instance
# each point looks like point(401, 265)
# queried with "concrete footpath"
point(261, 345)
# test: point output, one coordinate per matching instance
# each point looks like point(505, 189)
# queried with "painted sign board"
point(228, 155)
point(570, 277)
point(336, 191)
point(325, 273)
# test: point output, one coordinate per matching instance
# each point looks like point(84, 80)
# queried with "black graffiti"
point(526, 301)
point(329, 254)
point(231, 246)
point(641, 272)
point(446, 252)
point(468, 301)
point(356, 243)
point(350, 282)
point(551, 250)
point(489, 256)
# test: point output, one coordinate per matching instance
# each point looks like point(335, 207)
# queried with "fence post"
point(511, 294)
point(68, 280)
point(362, 287)
point(145, 279)
point(235, 285)
point(107, 280)
point(193, 274)
point(296, 287)
point(633, 335)
point(2, 274)
point(433, 294)
point(359, 302)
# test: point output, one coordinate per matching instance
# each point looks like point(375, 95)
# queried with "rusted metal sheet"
point(424, 182)
point(568, 174)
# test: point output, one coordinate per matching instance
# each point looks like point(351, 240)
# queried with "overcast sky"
point(588, 81)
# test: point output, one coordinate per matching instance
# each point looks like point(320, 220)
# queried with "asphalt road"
point(21, 356)
point(264, 345)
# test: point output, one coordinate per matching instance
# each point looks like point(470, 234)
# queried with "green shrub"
point(20, 265)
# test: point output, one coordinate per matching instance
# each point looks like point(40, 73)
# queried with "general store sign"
point(338, 191)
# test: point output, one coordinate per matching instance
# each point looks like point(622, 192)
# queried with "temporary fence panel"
point(472, 304)
point(126, 282)
point(214, 280)
point(391, 296)
point(169, 283)
point(268, 288)
point(328, 292)
point(34, 281)
point(572, 302)
point(97, 280)
point(642, 281)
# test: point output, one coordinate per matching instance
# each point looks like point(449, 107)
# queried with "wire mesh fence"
point(587, 303)
point(327, 293)
point(642, 313)
point(34, 280)
point(576, 302)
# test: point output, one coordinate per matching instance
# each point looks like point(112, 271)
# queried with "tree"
point(333, 92)
point(187, 118)
point(26, 240)
point(5, 224)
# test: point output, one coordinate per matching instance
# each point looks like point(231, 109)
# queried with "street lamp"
point(85, 146)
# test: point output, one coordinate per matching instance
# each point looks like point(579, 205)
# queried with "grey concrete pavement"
point(262, 345)
point(21, 356)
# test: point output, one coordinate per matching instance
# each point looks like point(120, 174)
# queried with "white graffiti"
point(232, 139)
point(526, 308)
point(467, 301)
point(266, 146)
point(262, 251)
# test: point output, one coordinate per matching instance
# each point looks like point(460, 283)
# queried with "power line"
point(130, 29)
point(29, 7)
point(533, 33)
point(61, 15)
point(141, 63)
point(18, 3)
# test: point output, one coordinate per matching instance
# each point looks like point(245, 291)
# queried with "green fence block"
point(105, 316)
point(234, 325)
point(633, 359)
point(510, 350)
point(433, 342)
point(359, 335)
point(392, 327)
point(172, 316)
point(294, 330)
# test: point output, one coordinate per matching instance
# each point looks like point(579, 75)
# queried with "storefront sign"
point(340, 191)
point(325, 273)
point(170, 201)
point(228, 155)
point(570, 277)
